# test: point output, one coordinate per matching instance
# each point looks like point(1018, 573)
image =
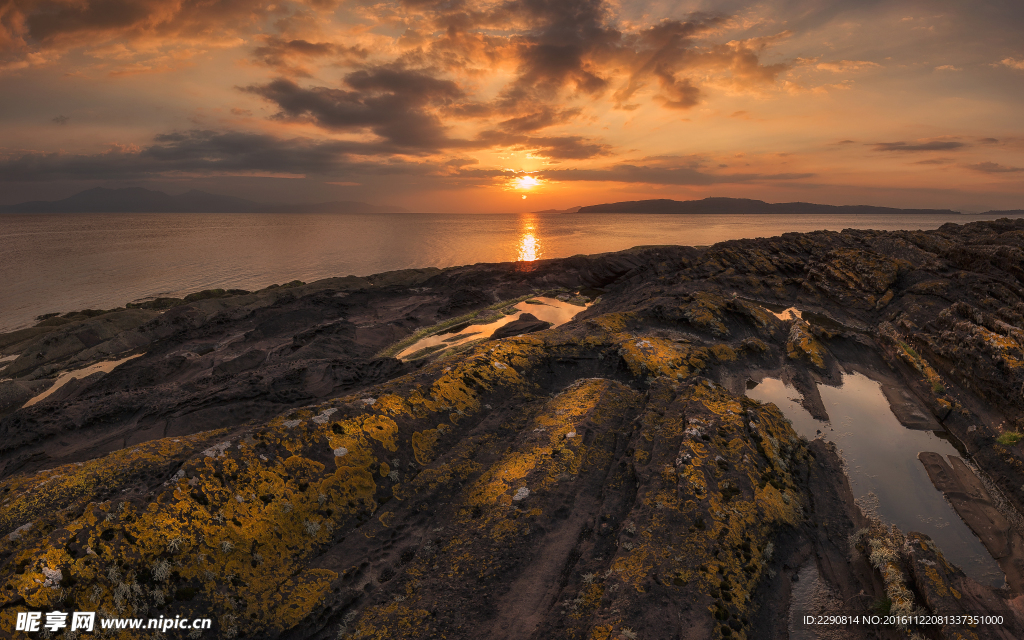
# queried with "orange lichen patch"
point(28, 497)
point(560, 426)
point(601, 632)
point(393, 620)
point(911, 357)
point(504, 529)
point(612, 322)
point(299, 595)
point(705, 312)
point(587, 601)
point(763, 320)
point(802, 344)
point(937, 582)
point(635, 565)
point(653, 356)
point(718, 401)
point(381, 429)
point(423, 443)
point(391, 404)
point(458, 468)
point(723, 353)
point(238, 523)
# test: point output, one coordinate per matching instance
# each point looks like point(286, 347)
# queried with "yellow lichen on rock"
point(801, 343)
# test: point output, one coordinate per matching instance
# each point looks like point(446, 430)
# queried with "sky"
point(517, 105)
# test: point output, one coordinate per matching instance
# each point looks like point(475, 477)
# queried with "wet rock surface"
point(264, 463)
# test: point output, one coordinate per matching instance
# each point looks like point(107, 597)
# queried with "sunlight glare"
point(529, 246)
point(525, 182)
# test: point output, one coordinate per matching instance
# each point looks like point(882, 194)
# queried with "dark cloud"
point(398, 105)
point(576, 48)
point(560, 46)
point(552, 147)
point(86, 21)
point(404, 109)
point(568, 148)
point(540, 119)
point(936, 145)
point(224, 153)
point(61, 120)
point(290, 56)
point(936, 161)
point(988, 140)
point(204, 152)
point(992, 167)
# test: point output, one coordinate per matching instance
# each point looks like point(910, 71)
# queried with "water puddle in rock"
point(791, 313)
point(546, 309)
point(885, 474)
point(104, 367)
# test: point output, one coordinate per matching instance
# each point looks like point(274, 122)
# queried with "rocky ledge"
point(266, 462)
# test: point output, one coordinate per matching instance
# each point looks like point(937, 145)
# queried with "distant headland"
point(745, 206)
point(139, 200)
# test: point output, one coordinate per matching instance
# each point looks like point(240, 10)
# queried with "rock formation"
point(267, 464)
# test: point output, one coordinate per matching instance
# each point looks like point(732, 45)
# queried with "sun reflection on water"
point(529, 245)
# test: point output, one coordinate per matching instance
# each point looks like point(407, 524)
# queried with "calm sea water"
point(67, 262)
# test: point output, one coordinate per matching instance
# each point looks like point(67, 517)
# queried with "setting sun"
point(525, 182)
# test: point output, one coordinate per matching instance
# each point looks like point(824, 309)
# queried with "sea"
point(52, 263)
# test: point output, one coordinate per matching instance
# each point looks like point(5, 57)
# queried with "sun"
point(525, 183)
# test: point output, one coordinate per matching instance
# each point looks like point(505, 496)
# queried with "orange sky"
point(449, 105)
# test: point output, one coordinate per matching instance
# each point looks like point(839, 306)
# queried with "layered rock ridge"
point(603, 479)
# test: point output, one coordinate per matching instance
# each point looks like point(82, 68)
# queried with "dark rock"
point(268, 435)
point(526, 323)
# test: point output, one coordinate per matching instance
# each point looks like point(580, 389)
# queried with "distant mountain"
point(139, 200)
point(569, 210)
point(742, 206)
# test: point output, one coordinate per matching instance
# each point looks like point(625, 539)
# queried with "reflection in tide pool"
point(550, 310)
point(881, 458)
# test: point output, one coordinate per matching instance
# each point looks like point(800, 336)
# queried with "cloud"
point(935, 145)
point(570, 147)
point(398, 105)
point(559, 46)
point(51, 23)
point(566, 147)
point(61, 120)
point(992, 167)
point(540, 119)
point(405, 109)
point(1013, 64)
point(948, 67)
point(291, 56)
point(848, 65)
point(668, 54)
point(203, 152)
point(936, 161)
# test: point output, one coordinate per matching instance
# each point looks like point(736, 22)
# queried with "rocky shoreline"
point(267, 462)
